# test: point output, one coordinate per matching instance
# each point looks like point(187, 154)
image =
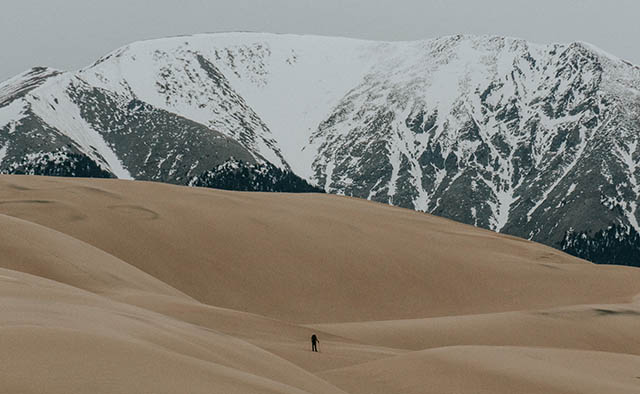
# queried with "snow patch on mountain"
point(292, 81)
point(576, 157)
point(54, 106)
point(632, 166)
point(12, 113)
point(3, 152)
point(182, 75)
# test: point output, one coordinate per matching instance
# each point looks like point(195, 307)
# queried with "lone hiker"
point(314, 343)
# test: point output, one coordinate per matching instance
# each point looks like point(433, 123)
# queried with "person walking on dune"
point(314, 343)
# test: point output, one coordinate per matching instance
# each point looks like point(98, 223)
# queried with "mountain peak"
point(493, 131)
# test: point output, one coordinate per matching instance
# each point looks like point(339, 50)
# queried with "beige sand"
point(488, 370)
point(119, 286)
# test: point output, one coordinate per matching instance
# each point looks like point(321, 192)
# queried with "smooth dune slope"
point(311, 258)
point(41, 251)
point(608, 327)
point(60, 339)
point(111, 286)
point(488, 370)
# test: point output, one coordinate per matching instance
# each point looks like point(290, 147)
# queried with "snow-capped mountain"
point(539, 141)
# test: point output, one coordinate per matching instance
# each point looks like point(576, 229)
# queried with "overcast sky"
point(69, 34)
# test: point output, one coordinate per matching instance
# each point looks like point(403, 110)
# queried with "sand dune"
point(609, 328)
point(38, 250)
point(479, 369)
point(81, 342)
point(120, 286)
point(341, 259)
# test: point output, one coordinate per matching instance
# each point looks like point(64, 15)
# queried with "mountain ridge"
point(534, 140)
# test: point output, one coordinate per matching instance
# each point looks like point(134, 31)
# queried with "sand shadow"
point(135, 211)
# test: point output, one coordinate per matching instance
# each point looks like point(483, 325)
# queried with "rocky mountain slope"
point(538, 141)
point(260, 177)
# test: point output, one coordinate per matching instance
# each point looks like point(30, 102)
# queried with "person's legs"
point(314, 348)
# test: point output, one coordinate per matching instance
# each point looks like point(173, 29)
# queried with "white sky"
point(69, 34)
